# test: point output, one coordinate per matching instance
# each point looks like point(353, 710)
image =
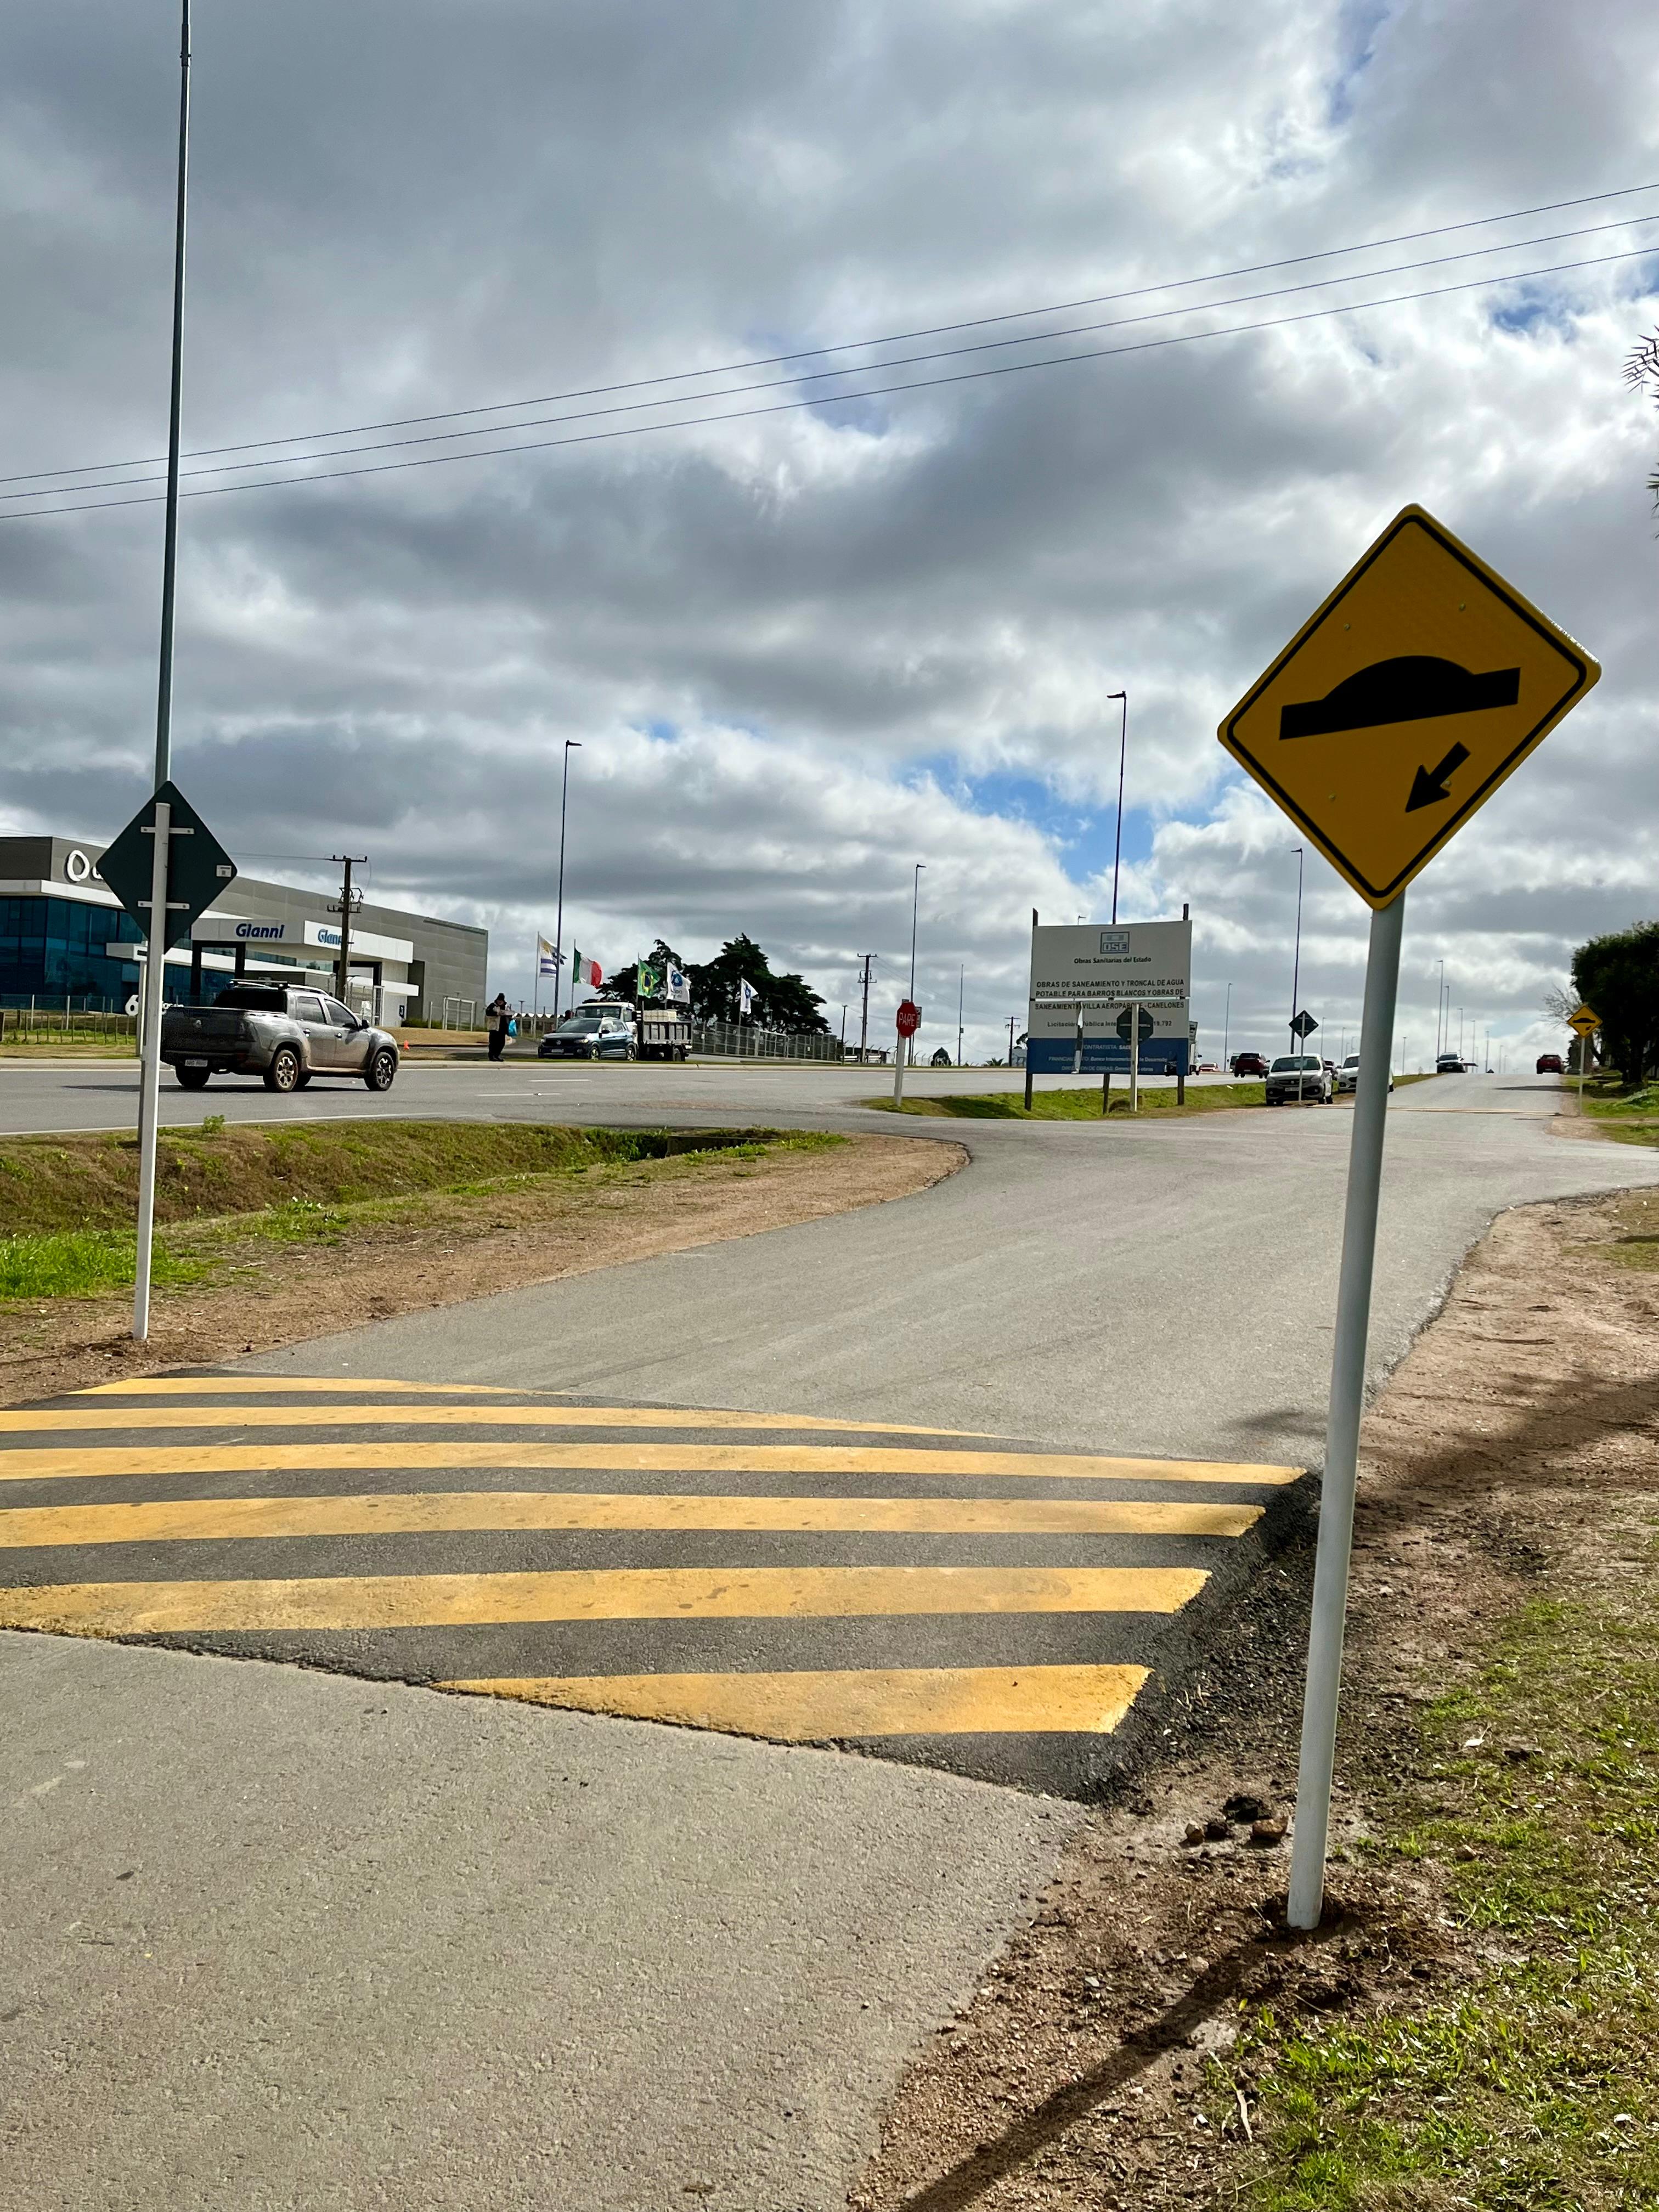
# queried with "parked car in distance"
point(1347, 1076)
point(1299, 1079)
point(1247, 1063)
point(1549, 1063)
point(601, 1030)
point(279, 1033)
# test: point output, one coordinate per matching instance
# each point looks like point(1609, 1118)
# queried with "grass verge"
point(66, 1204)
point(1533, 2086)
point(91, 1182)
point(1628, 1112)
point(1080, 1104)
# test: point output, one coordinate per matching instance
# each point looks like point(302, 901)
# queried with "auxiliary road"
point(946, 1598)
point(1165, 1288)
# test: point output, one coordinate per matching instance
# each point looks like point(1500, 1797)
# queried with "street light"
point(1122, 756)
point(1226, 1024)
point(1439, 997)
point(961, 986)
point(915, 901)
point(571, 745)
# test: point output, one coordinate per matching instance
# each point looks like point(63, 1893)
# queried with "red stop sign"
point(910, 1017)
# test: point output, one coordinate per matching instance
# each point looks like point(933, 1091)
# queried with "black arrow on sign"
point(1429, 784)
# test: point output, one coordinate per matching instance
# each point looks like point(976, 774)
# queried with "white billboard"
point(1083, 977)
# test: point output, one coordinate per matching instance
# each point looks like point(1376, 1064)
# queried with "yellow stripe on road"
point(819, 1708)
point(558, 1414)
point(216, 1519)
point(185, 1386)
point(39, 1463)
point(379, 1602)
point(55, 1419)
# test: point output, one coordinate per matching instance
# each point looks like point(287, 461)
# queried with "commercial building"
point(65, 938)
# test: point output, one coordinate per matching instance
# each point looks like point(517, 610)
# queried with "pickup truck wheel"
point(284, 1073)
point(192, 1078)
point(382, 1069)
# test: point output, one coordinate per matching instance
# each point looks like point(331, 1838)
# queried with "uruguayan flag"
point(547, 960)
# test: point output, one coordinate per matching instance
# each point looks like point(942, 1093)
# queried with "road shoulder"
point(1154, 2040)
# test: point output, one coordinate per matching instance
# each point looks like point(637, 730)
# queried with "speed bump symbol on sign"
point(1400, 706)
point(1584, 1020)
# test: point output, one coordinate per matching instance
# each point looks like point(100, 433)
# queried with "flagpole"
point(571, 744)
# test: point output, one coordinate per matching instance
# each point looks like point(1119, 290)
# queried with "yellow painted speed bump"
point(823, 1707)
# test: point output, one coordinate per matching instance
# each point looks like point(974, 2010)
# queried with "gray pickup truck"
point(277, 1031)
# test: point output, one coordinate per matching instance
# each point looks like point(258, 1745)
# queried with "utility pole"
point(961, 985)
point(154, 985)
point(1013, 1018)
point(863, 1011)
point(1227, 1027)
point(343, 966)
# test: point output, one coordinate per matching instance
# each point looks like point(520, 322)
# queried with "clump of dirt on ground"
point(306, 1269)
point(1512, 1452)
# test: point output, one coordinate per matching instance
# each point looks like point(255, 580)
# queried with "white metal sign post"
point(149, 1072)
point(1398, 708)
point(1336, 1497)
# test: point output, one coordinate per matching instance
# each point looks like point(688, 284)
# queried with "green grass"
point(88, 1182)
point(66, 1204)
point(1534, 2089)
point(1080, 1104)
point(1629, 1113)
point(82, 1263)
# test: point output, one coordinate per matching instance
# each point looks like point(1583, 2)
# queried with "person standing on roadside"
point(497, 1021)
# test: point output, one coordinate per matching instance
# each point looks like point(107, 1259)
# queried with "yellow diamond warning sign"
point(1402, 704)
point(1585, 1020)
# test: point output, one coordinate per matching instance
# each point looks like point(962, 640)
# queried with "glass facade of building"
point(53, 949)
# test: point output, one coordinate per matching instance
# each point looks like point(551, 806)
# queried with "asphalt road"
point(1165, 1287)
point(289, 1941)
point(104, 1095)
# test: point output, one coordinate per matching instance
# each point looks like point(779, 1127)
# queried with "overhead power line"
point(849, 345)
point(901, 361)
point(846, 398)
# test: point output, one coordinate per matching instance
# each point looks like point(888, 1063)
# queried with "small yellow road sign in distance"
point(1585, 1020)
point(1401, 706)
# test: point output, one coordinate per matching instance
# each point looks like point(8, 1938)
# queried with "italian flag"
point(586, 971)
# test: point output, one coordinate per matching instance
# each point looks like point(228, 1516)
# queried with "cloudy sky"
point(806, 647)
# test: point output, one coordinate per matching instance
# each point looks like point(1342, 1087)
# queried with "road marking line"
point(32, 1463)
point(217, 1519)
point(368, 1602)
point(819, 1708)
point(181, 1386)
point(52, 1420)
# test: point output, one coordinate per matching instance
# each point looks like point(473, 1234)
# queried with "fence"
point(39, 1021)
point(728, 1040)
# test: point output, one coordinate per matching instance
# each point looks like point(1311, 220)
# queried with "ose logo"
point(1114, 941)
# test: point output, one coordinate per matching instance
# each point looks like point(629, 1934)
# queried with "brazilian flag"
point(649, 981)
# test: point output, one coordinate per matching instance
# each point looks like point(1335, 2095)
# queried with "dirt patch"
point(1100, 2062)
point(306, 1269)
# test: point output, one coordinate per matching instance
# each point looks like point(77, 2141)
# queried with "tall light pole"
point(1296, 964)
point(571, 745)
point(155, 960)
point(909, 1044)
point(1439, 1002)
point(1226, 1024)
point(1122, 756)
point(961, 986)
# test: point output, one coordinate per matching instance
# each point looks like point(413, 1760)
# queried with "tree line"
point(1616, 976)
point(781, 1001)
